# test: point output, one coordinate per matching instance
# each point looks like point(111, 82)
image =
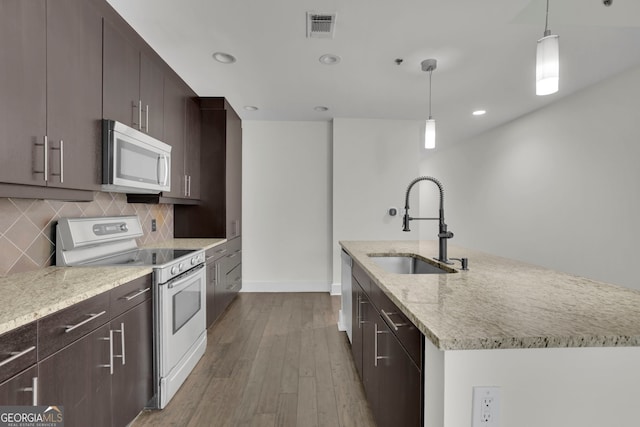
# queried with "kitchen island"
point(563, 349)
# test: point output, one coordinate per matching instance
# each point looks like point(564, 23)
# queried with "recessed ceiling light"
point(321, 108)
point(250, 108)
point(479, 113)
point(224, 58)
point(329, 59)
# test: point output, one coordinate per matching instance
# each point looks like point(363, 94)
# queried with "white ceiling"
point(485, 52)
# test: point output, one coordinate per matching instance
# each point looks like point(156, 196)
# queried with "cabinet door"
point(400, 384)
point(192, 149)
point(121, 78)
point(19, 389)
point(152, 96)
point(370, 341)
point(22, 91)
point(356, 339)
point(212, 271)
point(74, 94)
point(174, 123)
point(234, 175)
point(132, 380)
point(77, 377)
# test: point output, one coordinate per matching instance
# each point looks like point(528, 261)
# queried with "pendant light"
point(547, 61)
point(430, 126)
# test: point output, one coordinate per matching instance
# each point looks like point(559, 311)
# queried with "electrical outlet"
point(153, 225)
point(486, 407)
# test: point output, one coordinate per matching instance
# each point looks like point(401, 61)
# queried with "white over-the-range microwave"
point(132, 161)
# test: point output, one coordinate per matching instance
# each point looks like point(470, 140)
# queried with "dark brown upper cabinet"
point(133, 82)
point(50, 93)
point(174, 131)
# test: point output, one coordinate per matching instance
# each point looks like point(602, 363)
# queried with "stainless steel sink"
point(406, 264)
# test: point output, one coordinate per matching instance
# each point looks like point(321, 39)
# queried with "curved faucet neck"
point(425, 178)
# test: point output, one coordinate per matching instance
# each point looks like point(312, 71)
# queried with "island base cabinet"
point(78, 378)
point(18, 390)
point(132, 379)
point(398, 380)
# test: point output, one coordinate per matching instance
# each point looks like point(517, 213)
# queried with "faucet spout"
point(443, 233)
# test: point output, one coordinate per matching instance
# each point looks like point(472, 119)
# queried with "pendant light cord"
point(430, 72)
point(546, 22)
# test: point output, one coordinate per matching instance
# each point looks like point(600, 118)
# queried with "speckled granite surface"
point(26, 297)
point(187, 243)
point(502, 303)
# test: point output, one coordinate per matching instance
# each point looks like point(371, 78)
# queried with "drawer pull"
point(70, 328)
point(395, 326)
point(34, 391)
point(16, 355)
point(375, 346)
point(135, 294)
point(221, 251)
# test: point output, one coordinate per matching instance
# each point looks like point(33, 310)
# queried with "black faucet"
point(443, 234)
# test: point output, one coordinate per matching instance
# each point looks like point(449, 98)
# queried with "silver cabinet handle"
point(70, 328)
point(189, 180)
point(135, 294)
point(61, 150)
point(147, 114)
point(110, 339)
point(45, 147)
point(186, 185)
point(139, 114)
point(16, 355)
point(391, 323)
point(34, 390)
point(360, 302)
point(121, 332)
point(375, 346)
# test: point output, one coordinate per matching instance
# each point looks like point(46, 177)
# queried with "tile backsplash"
point(27, 226)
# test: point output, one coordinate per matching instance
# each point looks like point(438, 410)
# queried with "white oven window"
point(186, 304)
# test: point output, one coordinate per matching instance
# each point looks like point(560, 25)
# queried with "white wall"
point(286, 199)
point(373, 162)
point(558, 187)
point(552, 387)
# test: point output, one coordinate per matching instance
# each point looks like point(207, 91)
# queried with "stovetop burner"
point(141, 257)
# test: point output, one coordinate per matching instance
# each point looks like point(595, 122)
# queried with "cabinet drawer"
point(361, 276)
point(17, 350)
point(65, 326)
point(130, 294)
point(234, 245)
point(408, 334)
point(216, 252)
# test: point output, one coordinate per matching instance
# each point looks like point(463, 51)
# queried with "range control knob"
point(194, 261)
point(181, 266)
point(174, 269)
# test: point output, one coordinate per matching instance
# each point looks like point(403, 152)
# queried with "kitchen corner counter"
point(30, 296)
point(502, 303)
point(183, 243)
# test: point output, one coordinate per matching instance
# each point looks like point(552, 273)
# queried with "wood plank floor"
point(271, 360)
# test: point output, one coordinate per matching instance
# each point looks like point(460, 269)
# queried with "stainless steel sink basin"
point(405, 264)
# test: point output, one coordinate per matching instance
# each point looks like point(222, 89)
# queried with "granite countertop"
point(503, 303)
point(26, 297)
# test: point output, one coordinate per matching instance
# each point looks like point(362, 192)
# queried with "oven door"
point(182, 317)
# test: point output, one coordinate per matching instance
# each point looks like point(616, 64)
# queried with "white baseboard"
point(336, 289)
point(341, 324)
point(285, 287)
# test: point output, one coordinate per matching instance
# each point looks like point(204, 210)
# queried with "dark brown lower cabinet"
point(391, 377)
point(399, 381)
point(19, 389)
point(78, 378)
point(132, 379)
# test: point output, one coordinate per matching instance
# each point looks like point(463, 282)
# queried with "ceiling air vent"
point(321, 25)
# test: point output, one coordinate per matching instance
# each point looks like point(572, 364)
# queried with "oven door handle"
point(183, 278)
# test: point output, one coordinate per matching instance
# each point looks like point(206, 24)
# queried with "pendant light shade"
point(547, 61)
point(430, 134)
point(547, 65)
point(430, 128)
